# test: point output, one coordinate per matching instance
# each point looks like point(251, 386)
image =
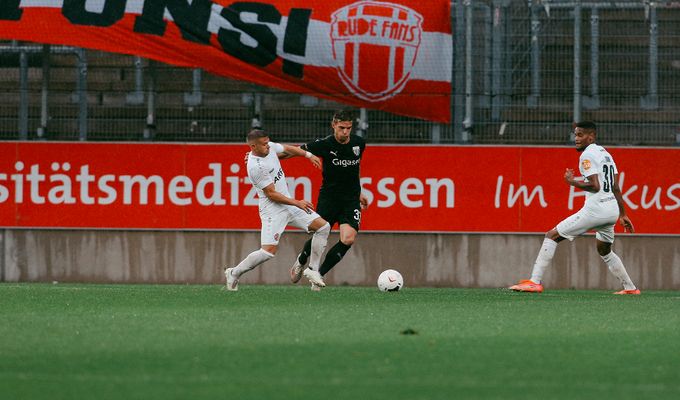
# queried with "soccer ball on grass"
point(390, 281)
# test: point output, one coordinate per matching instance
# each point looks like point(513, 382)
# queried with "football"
point(390, 281)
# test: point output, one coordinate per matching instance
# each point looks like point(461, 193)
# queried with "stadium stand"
point(523, 89)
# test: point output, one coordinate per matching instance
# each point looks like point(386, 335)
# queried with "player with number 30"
point(603, 207)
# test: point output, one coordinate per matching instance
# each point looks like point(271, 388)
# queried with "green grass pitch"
point(69, 341)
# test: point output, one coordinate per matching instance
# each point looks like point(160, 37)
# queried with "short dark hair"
point(588, 125)
point(256, 134)
point(343, 115)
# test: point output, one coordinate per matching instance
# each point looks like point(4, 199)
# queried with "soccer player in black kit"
point(340, 199)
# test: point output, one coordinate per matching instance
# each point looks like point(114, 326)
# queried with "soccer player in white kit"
point(603, 207)
point(278, 209)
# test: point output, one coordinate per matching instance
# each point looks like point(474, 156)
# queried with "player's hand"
point(316, 162)
point(245, 158)
point(305, 206)
point(363, 201)
point(627, 224)
point(569, 175)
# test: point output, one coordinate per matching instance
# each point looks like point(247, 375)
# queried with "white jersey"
point(595, 160)
point(263, 171)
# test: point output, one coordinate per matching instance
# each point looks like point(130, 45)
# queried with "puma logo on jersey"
point(335, 153)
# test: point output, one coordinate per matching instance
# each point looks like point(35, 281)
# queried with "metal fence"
point(523, 71)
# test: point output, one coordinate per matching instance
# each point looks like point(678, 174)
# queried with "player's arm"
point(363, 200)
point(623, 218)
point(286, 154)
point(295, 151)
point(592, 184)
point(273, 195)
point(260, 179)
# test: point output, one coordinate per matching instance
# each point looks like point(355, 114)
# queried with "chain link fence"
point(523, 72)
point(614, 62)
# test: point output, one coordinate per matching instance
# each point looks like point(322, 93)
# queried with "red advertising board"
point(411, 188)
point(392, 56)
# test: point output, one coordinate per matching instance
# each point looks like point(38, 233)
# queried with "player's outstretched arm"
point(277, 197)
point(295, 151)
point(623, 217)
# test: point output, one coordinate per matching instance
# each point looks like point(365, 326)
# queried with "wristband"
point(308, 154)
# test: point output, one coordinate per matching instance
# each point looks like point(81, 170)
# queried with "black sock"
point(304, 254)
point(333, 257)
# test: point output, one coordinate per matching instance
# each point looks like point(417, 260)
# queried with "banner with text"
point(411, 188)
point(392, 56)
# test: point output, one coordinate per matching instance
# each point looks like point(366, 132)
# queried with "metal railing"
point(523, 72)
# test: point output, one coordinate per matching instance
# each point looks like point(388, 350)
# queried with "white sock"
point(319, 241)
point(545, 256)
point(254, 259)
point(616, 266)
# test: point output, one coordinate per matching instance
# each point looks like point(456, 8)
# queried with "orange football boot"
point(632, 291)
point(527, 285)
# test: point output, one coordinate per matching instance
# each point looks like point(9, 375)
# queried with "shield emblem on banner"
point(356, 150)
point(375, 47)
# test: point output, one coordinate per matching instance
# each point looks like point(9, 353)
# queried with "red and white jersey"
point(595, 160)
point(263, 171)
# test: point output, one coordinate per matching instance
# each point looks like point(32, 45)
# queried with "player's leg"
point(543, 260)
point(545, 255)
point(321, 228)
point(251, 261)
point(347, 236)
point(569, 228)
point(349, 219)
point(325, 208)
point(303, 256)
point(273, 225)
point(301, 259)
point(605, 238)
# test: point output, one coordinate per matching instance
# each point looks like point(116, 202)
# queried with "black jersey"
point(341, 164)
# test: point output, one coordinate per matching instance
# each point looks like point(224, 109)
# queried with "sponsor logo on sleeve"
point(586, 164)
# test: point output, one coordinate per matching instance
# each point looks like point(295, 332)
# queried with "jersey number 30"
point(608, 171)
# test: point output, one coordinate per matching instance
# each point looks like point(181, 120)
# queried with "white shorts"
point(584, 221)
point(274, 222)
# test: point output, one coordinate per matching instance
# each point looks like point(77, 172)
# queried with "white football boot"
point(232, 281)
point(314, 277)
point(296, 270)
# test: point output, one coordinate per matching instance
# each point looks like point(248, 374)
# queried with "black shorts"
point(335, 209)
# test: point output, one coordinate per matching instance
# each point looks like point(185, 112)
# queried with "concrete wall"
point(452, 260)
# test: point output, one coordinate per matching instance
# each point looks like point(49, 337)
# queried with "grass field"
point(285, 342)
